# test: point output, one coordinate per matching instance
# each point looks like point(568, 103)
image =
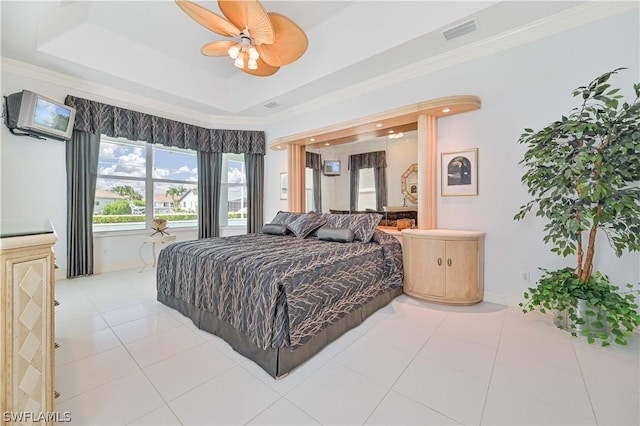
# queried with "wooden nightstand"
point(444, 266)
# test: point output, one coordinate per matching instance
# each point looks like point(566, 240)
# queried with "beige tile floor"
point(127, 359)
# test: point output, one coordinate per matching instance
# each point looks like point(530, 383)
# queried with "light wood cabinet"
point(444, 266)
point(27, 324)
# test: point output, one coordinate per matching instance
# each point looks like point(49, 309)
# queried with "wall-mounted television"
point(331, 167)
point(37, 116)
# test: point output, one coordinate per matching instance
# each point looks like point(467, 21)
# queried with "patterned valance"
point(368, 160)
point(314, 161)
point(98, 118)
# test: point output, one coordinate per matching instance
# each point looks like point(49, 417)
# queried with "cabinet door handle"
point(449, 262)
point(439, 261)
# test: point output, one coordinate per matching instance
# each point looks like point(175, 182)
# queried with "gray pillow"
point(286, 217)
point(364, 225)
point(337, 220)
point(305, 224)
point(275, 229)
point(340, 235)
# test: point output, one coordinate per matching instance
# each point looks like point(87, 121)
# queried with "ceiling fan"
point(266, 40)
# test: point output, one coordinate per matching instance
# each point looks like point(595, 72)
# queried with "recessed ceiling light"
point(327, 144)
point(390, 131)
point(446, 110)
point(379, 125)
point(312, 139)
point(279, 147)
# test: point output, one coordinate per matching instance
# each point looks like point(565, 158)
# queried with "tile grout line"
point(493, 366)
point(390, 387)
point(584, 382)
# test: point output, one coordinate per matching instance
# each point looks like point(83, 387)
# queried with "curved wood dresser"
point(444, 266)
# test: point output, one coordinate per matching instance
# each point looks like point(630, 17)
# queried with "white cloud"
point(161, 173)
point(107, 150)
point(187, 169)
point(235, 176)
point(131, 164)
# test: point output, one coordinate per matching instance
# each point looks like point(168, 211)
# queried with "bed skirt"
point(277, 361)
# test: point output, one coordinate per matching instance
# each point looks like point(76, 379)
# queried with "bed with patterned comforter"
point(278, 293)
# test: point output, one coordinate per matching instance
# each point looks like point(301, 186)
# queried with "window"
point(366, 190)
point(233, 192)
point(138, 181)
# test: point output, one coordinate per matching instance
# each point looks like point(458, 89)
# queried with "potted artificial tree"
point(583, 173)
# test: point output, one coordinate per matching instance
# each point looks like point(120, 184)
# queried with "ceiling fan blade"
point(217, 48)
point(290, 42)
point(263, 70)
point(249, 14)
point(208, 19)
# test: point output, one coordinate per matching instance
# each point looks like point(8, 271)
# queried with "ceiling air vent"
point(460, 30)
point(271, 105)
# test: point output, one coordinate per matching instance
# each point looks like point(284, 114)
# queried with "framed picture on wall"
point(459, 173)
point(284, 184)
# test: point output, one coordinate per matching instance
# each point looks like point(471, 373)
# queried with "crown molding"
point(575, 17)
point(79, 87)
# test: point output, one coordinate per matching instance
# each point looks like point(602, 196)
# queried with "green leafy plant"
point(597, 310)
point(583, 173)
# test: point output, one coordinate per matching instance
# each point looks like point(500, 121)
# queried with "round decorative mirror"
point(409, 184)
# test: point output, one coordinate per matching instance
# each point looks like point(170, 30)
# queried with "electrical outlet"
point(525, 276)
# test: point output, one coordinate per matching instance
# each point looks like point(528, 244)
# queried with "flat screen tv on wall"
point(331, 168)
point(37, 116)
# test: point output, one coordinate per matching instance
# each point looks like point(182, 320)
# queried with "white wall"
point(528, 86)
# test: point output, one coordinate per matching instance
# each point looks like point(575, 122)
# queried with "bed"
point(280, 298)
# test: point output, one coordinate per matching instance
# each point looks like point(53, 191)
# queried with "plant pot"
point(583, 323)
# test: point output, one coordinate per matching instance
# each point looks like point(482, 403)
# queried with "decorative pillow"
point(286, 218)
point(275, 229)
point(305, 224)
point(363, 225)
point(341, 235)
point(337, 220)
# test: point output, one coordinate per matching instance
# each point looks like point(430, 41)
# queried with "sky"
point(129, 160)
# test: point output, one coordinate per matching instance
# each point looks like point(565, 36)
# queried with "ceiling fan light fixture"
point(268, 39)
point(234, 51)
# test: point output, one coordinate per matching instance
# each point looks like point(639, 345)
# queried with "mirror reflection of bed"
point(401, 154)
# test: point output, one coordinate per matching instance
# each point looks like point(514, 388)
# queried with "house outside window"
point(138, 181)
point(233, 191)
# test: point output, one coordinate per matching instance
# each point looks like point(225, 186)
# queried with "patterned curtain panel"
point(82, 171)
point(380, 181)
point(98, 118)
point(209, 183)
point(255, 192)
point(314, 162)
point(369, 160)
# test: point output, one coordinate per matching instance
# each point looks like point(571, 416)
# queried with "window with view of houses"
point(138, 182)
